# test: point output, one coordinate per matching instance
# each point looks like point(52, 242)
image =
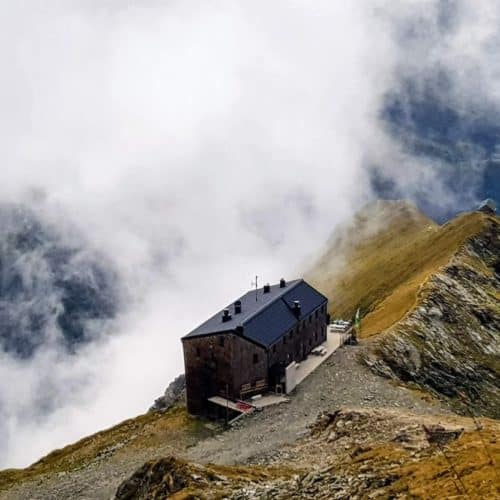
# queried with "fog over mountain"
point(157, 155)
point(52, 292)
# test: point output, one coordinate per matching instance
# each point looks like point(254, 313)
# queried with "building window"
point(274, 348)
point(221, 341)
point(255, 359)
point(310, 319)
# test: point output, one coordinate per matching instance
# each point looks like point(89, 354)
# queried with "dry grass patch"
point(431, 472)
point(433, 477)
point(384, 258)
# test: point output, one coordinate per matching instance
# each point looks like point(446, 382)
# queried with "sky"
point(196, 145)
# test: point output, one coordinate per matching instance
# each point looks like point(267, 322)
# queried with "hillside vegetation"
point(379, 261)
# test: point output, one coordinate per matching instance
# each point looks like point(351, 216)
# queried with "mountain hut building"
point(244, 349)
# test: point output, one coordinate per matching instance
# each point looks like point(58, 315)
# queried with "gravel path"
point(339, 382)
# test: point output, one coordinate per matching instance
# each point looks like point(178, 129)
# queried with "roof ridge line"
point(280, 297)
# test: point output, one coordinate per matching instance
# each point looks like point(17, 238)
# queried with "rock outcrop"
point(161, 478)
point(174, 393)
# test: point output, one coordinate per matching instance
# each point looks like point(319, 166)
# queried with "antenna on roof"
point(256, 283)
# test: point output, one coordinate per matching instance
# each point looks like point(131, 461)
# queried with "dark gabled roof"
point(268, 318)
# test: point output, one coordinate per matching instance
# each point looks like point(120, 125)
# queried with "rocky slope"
point(449, 343)
point(174, 393)
point(349, 453)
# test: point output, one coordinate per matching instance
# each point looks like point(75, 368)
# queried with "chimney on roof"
point(237, 307)
point(267, 288)
point(282, 283)
point(225, 315)
point(296, 308)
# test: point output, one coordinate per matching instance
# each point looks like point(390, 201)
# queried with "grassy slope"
point(382, 259)
point(474, 457)
point(143, 432)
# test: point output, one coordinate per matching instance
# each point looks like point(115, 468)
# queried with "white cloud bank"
point(196, 144)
